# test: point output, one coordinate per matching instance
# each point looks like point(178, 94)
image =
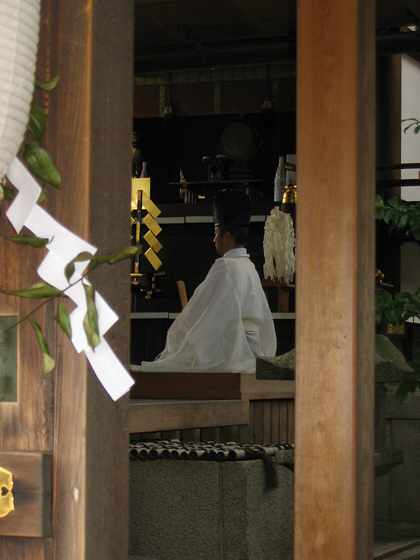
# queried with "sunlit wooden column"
point(91, 48)
point(335, 280)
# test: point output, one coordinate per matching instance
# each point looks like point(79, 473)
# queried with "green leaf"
point(49, 86)
point(402, 392)
point(414, 122)
point(9, 194)
point(112, 258)
point(49, 362)
point(393, 317)
point(416, 234)
point(36, 291)
point(42, 196)
point(28, 240)
point(37, 122)
point(383, 298)
point(387, 216)
point(402, 224)
point(379, 213)
point(81, 257)
point(90, 321)
point(409, 126)
point(393, 202)
point(63, 319)
point(41, 164)
point(415, 363)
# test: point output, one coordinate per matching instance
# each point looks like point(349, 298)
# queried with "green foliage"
point(48, 86)
point(8, 193)
point(81, 257)
point(400, 215)
point(413, 123)
point(113, 258)
point(39, 161)
point(31, 240)
point(49, 362)
point(90, 322)
point(41, 290)
point(396, 308)
point(63, 319)
point(44, 291)
point(411, 382)
point(95, 261)
point(37, 122)
point(41, 164)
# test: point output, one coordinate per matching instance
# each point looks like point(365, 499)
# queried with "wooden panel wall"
point(271, 421)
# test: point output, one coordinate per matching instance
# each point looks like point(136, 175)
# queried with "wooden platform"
point(203, 385)
point(154, 415)
point(186, 385)
point(404, 549)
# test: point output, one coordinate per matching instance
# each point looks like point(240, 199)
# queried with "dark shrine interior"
point(218, 81)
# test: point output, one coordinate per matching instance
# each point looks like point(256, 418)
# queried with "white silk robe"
point(224, 326)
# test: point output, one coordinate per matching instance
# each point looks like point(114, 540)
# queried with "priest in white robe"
point(227, 323)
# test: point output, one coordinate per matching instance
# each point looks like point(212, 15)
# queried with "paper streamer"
point(19, 29)
point(64, 246)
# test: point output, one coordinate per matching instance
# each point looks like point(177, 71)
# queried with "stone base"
point(208, 510)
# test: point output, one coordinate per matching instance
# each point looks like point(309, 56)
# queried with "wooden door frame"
point(90, 46)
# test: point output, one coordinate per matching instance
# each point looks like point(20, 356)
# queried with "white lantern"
point(19, 30)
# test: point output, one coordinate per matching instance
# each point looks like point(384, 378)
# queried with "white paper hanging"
point(19, 28)
point(63, 247)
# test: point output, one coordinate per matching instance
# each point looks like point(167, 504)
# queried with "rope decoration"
point(211, 451)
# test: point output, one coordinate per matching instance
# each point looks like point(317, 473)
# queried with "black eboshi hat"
point(231, 208)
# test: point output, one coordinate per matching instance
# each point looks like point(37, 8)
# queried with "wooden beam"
point(156, 415)
point(335, 280)
point(186, 385)
point(204, 385)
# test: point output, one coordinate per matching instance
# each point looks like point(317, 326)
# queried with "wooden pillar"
point(335, 280)
point(68, 413)
point(94, 113)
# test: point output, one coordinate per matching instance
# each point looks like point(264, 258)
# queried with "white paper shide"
point(19, 29)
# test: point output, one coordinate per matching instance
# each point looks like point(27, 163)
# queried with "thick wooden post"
point(94, 151)
point(68, 413)
point(335, 280)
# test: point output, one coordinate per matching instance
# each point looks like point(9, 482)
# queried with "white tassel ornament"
point(19, 30)
point(279, 247)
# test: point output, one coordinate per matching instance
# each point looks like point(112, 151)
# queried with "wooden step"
point(403, 549)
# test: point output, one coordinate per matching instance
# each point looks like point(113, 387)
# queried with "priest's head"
point(232, 215)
